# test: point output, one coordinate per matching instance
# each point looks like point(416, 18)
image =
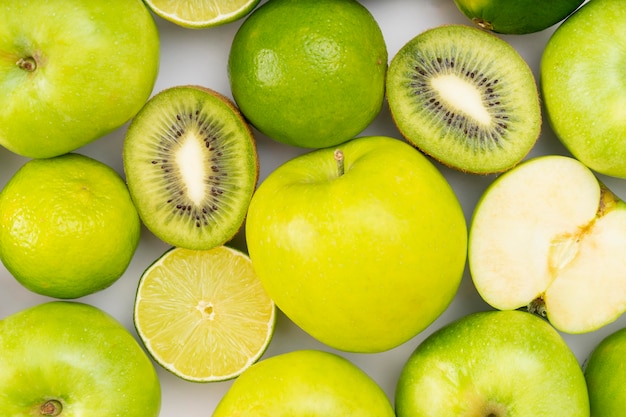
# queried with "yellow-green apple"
point(493, 364)
point(605, 373)
point(311, 383)
point(69, 359)
point(72, 71)
point(362, 245)
point(518, 16)
point(583, 88)
point(549, 236)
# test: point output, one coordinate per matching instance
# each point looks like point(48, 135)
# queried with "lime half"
point(203, 315)
point(201, 13)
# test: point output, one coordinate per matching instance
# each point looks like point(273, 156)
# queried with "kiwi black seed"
point(466, 98)
point(191, 166)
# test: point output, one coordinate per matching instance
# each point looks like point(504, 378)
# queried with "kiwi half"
point(191, 166)
point(466, 98)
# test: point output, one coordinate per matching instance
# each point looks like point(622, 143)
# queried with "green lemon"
point(68, 226)
point(309, 73)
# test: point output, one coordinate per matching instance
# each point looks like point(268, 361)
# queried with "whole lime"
point(309, 73)
point(68, 226)
point(516, 16)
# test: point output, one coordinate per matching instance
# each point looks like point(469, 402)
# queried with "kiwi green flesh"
point(191, 166)
point(465, 97)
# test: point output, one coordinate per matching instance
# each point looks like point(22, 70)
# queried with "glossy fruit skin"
point(310, 383)
point(517, 17)
point(605, 373)
point(492, 363)
point(582, 85)
point(366, 260)
point(68, 226)
point(95, 64)
point(309, 73)
point(78, 355)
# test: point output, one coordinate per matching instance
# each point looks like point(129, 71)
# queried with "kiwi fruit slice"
point(191, 165)
point(465, 97)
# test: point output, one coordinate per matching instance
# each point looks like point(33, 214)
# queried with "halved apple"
point(550, 237)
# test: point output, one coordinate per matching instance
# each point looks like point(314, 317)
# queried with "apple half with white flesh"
point(550, 237)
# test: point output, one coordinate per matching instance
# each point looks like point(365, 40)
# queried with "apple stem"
point(27, 64)
point(339, 159)
point(51, 408)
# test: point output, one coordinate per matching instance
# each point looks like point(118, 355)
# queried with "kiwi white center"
point(462, 96)
point(192, 167)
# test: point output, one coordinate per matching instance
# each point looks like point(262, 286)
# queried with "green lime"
point(203, 314)
point(309, 73)
point(68, 227)
point(516, 16)
point(201, 13)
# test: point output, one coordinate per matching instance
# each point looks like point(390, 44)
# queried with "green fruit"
point(548, 236)
point(70, 359)
point(68, 227)
point(518, 16)
point(494, 364)
point(72, 71)
point(309, 73)
point(191, 164)
point(362, 249)
point(605, 373)
point(582, 78)
point(466, 98)
point(308, 383)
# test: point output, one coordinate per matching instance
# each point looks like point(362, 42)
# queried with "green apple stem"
point(51, 408)
point(27, 64)
point(339, 159)
point(538, 307)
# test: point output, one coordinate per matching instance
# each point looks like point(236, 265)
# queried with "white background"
point(199, 57)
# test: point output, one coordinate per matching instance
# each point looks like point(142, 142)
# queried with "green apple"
point(362, 246)
point(605, 373)
point(582, 81)
point(549, 236)
point(517, 16)
point(70, 359)
point(72, 71)
point(309, 383)
point(493, 364)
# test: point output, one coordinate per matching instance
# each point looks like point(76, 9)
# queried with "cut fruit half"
point(204, 315)
point(466, 98)
point(191, 166)
point(548, 236)
point(198, 14)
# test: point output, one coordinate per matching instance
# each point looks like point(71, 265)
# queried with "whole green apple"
point(362, 246)
point(72, 71)
point(493, 364)
point(605, 372)
point(309, 383)
point(582, 79)
point(71, 359)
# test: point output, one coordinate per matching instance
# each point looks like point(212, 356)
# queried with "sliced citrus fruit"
point(203, 315)
point(201, 13)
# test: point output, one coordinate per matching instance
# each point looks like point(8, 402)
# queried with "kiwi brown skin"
point(224, 160)
point(444, 127)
